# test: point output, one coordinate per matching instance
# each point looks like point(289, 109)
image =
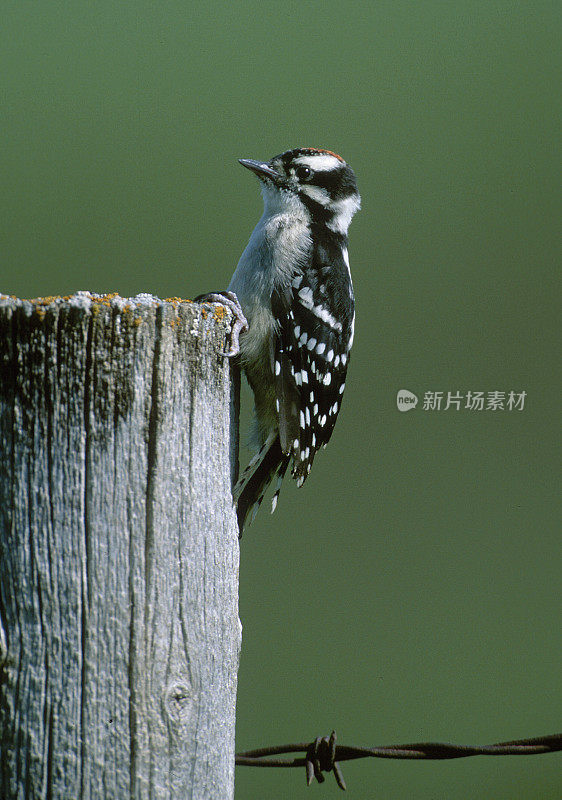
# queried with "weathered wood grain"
point(119, 630)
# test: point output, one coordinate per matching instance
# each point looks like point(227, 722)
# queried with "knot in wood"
point(178, 703)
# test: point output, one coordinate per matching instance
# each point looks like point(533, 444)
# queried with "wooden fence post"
point(119, 630)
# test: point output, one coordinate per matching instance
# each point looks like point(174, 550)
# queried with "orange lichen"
point(47, 301)
point(220, 313)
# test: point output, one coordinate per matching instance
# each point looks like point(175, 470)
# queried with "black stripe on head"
point(338, 182)
point(320, 215)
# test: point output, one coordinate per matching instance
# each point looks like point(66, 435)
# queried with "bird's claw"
point(239, 323)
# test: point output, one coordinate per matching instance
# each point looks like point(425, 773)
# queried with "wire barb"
point(321, 757)
point(323, 754)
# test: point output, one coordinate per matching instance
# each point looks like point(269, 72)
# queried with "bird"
point(294, 314)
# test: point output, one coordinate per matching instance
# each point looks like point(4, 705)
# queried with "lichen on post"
point(119, 630)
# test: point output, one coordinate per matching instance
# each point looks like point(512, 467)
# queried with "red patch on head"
point(326, 152)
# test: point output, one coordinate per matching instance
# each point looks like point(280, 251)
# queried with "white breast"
point(277, 250)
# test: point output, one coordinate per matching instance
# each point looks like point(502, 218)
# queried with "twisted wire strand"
point(323, 754)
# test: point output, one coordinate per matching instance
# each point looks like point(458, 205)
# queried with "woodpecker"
point(292, 297)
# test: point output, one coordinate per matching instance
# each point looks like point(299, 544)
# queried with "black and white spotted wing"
point(310, 358)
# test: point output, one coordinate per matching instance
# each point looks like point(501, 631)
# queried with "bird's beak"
point(261, 169)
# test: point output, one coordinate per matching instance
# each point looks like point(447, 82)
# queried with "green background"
point(411, 590)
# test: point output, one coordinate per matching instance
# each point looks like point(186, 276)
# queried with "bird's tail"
point(252, 485)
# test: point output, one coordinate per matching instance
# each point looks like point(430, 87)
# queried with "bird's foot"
point(239, 323)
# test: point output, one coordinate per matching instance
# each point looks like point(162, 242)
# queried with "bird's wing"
point(310, 355)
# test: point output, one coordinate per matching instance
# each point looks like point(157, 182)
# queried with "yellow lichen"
point(220, 313)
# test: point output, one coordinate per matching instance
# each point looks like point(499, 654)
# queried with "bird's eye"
point(304, 173)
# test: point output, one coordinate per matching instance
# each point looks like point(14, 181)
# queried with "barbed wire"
point(323, 754)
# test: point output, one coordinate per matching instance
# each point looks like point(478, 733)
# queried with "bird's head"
point(318, 182)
